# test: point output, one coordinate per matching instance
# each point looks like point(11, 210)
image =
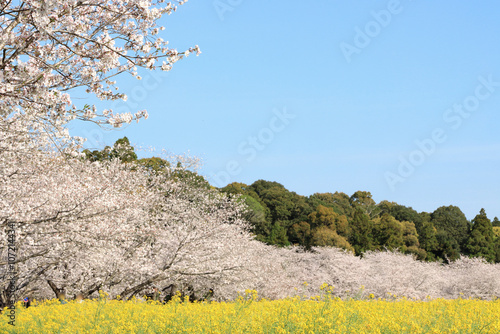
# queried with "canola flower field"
point(322, 314)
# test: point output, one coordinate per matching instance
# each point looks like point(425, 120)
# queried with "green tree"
point(325, 216)
point(285, 208)
point(98, 155)
point(451, 221)
point(121, 150)
point(360, 232)
point(325, 236)
point(410, 236)
point(427, 240)
point(342, 201)
point(363, 200)
point(256, 217)
point(258, 214)
point(301, 209)
point(386, 207)
point(278, 235)
point(328, 228)
point(155, 164)
point(277, 199)
point(481, 240)
point(235, 188)
point(339, 202)
point(388, 233)
point(495, 222)
point(447, 248)
point(497, 249)
point(189, 177)
point(411, 240)
point(425, 231)
point(300, 233)
point(425, 216)
point(403, 213)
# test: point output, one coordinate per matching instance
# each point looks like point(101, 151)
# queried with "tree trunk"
point(141, 286)
point(54, 288)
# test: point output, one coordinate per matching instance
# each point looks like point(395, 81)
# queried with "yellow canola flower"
point(323, 314)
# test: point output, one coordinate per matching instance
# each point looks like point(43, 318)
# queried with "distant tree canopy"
point(481, 240)
point(121, 150)
point(453, 230)
point(124, 151)
point(354, 223)
point(358, 224)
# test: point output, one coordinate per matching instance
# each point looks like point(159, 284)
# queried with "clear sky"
point(399, 98)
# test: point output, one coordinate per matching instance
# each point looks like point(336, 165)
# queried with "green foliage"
point(256, 216)
point(278, 235)
point(157, 165)
point(420, 253)
point(364, 201)
point(325, 216)
point(125, 152)
point(328, 228)
point(496, 246)
point(388, 233)
point(427, 239)
point(447, 247)
point(481, 240)
point(235, 188)
point(192, 178)
point(301, 210)
point(276, 198)
point(496, 231)
point(284, 209)
point(410, 235)
point(300, 234)
point(452, 223)
point(325, 236)
point(422, 229)
point(98, 155)
point(403, 213)
point(426, 217)
point(339, 202)
point(361, 232)
point(121, 150)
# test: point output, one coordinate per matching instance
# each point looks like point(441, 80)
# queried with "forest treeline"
point(355, 223)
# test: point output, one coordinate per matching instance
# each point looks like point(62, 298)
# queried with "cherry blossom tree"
point(85, 226)
point(50, 47)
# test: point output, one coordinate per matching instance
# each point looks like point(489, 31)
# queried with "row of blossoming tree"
point(75, 225)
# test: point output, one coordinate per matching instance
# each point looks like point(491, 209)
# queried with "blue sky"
point(399, 98)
